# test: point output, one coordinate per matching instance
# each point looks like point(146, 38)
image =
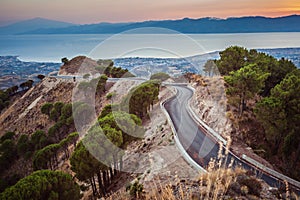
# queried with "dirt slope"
point(25, 117)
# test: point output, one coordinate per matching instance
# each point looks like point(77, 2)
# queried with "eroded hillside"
point(25, 117)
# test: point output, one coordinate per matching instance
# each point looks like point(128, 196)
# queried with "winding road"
point(197, 142)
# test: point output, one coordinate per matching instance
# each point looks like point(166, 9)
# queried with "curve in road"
point(199, 145)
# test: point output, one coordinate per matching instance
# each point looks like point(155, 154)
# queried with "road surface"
point(200, 146)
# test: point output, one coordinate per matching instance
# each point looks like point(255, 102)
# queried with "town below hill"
point(13, 71)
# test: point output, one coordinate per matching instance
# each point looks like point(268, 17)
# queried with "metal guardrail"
point(253, 162)
point(210, 131)
point(271, 171)
point(170, 83)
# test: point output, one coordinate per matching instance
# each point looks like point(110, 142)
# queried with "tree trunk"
point(242, 104)
point(93, 187)
point(68, 156)
point(115, 160)
point(93, 178)
point(104, 178)
point(102, 188)
point(121, 163)
point(297, 155)
point(49, 165)
point(56, 161)
point(111, 174)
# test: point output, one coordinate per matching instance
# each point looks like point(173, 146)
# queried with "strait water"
point(54, 47)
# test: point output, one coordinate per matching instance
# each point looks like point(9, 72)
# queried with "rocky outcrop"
point(209, 103)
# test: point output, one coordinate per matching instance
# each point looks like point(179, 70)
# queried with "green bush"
point(7, 135)
point(46, 108)
point(253, 185)
point(39, 139)
point(135, 189)
point(86, 76)
point(65, 60)
point(58, 106)
point(110, 95)
point(70, 121)
point(44, 184)
point(54, 114)
point(66, 111)
point(160, 76)
point(24, 145)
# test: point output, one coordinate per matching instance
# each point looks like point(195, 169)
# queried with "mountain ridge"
point(32, 25)
point(246, 24)
point(249, 24)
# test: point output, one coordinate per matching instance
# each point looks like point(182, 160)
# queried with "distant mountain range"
point(36, 24)
point(203, 25)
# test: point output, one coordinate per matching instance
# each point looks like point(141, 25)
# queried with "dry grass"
point(212, 185)
point(221, 182)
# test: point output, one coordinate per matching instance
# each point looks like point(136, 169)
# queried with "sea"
point(51, 48)
point(23, 57)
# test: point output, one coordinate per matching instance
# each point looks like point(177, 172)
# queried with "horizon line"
point(167, 19)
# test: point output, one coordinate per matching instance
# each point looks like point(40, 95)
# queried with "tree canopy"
point(244, 83)
point(269, 89)
point(44, 184)
point(235, 58)
point(280, 115)
point(107, 67)
point(160, 76)
point(140, 99)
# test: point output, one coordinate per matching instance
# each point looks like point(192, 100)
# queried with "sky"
point(95, 11)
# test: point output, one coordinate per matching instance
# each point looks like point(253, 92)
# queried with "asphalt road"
point(198, 144)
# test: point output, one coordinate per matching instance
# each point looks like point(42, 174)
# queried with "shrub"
point(66, 111)
point(86, 76)
point(39, 139)
point(65, 60)
point(23, 145)
point(54, 115)
point(7, 135)
point(110, 95)
point(160, 76)
point(254, 186)
point(70, 121)
point(41, 76)
point(135, 189)
point(58, 106)
point(46, 108)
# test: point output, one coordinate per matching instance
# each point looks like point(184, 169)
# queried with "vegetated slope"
point(165, 175)
point(161, 163)
point(24, 116)
point(263, 104)
point(39, 120)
